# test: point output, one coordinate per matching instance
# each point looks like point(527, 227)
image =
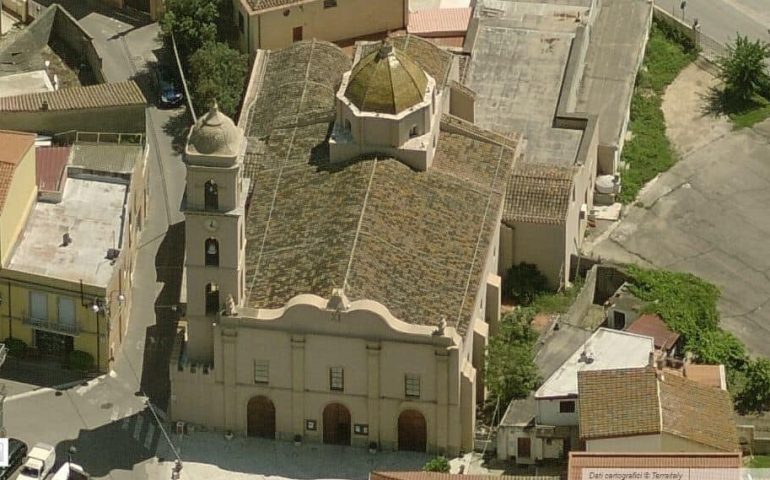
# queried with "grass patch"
point(649, 152)
point(759, 461)
point(746, 116)
point(557, 302)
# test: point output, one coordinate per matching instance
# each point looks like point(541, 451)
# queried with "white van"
point(39, 462)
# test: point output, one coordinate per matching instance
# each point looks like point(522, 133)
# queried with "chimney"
point(44, 105)
point(66, 239)
point(651, 361)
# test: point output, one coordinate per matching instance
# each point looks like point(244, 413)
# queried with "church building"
point(342, 252)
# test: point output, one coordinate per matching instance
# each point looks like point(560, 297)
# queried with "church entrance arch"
point(412, 431)
point(336, 424)
point(260, 420)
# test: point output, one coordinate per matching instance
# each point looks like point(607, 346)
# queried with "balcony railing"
point(51, 326)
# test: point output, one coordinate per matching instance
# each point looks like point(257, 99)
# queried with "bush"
point(79, 360)
point(437, 464)
point(193, 23)
point(743, 69)
point(16, 348)
point(523, 283)
point(755, 394)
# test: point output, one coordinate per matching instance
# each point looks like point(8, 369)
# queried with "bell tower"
point(215, 201)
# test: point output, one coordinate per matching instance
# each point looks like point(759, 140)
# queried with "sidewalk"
point(20, 376)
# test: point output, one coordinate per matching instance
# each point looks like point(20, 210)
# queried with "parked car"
point(17, 450)
point(170, 93)
point(39, 462)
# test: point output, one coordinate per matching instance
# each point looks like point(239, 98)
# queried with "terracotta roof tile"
point(439, 21)
point(77, 98)
point(730, 462)
point(50, 167)
point(619, 403)
point(653, 326)
point(711, 375)
point(261, 5)
point(538, 193)
point(13, 147)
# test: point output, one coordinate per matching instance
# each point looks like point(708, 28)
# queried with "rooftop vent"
point(66, 239)
point(587, 355)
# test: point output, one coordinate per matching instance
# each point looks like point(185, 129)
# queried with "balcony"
point(52, 326)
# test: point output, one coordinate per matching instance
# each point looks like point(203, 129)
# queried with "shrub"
point(524, 282)
point(16, 348)
point(743, 69)
point(755, 394)
point(79, 360)
point(437, 464)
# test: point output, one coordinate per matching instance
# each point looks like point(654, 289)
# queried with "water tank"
point(606, 184)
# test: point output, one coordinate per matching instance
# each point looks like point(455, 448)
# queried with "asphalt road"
point(721, 19)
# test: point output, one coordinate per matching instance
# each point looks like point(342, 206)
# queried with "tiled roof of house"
point(538, 193)
point(411, 240)
point(51, 162)
point(711, 375)
point(420, 475)
point(77, 98)
point(260, 5)
point(439, 21)
point(13, 147)
point(728, 463)
point(653, 326)
point(620, 403)
point(698, 412)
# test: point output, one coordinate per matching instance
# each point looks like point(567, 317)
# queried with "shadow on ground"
point(43, 374)
point(83, 8)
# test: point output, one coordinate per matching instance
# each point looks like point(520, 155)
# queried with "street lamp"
point(70, 452)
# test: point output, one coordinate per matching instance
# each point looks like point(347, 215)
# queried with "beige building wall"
point(125, 119)
point(664, 442)
point(548, 412)
point(21, 196)
point(541, 244)
point(274, 28)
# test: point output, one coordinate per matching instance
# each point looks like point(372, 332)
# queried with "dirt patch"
point(689, 125)
point(541, 322)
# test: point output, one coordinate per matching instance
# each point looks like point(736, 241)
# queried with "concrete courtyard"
point(708, 214)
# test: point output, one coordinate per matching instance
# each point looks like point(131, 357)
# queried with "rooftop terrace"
point(91, 211)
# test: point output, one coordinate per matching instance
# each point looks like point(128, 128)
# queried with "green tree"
point(218, 72)
point(755, 395)
point(437, 464)
point(718, 347)
point(193, 23)
point(511, 372)
point(524, 282)
point(743, 69)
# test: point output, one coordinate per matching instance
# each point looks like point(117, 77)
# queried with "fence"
point(710, 49)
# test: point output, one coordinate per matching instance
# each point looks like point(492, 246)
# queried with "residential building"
point(716, 466)
point(342, 286)
point(66, 280)
point(651, 325)
point(276, 24)
point(649, 410)
point(546, 426)
point(17, 187)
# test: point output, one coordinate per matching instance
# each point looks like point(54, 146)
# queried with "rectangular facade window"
point(241, 22)
point(66, 311)
point(523, 447)
point(567, 406)
point(330, 3)
point(261, 371)
point(337, 379)
point(38, 305)
point(412, 385)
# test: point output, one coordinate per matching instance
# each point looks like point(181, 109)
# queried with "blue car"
point(170, 93)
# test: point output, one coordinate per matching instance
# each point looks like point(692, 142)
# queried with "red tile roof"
point(50, 167)
point(77, 98)
point(730, 462)
point(711, 375)
point(653, 326)
point(13, 147)
point(439, 21)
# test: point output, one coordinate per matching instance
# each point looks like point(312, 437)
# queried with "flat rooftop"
point(517, 69)
point(609, 350)
point(28, 82)
point(91, 211)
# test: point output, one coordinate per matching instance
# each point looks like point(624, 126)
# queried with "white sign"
point(3, 452)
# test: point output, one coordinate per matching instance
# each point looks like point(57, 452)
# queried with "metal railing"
point(74, 136)
point(52, 326)
point(710, 48)
point(3, 353)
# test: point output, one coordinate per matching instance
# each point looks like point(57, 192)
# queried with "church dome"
point(215, 134)
point(386, 81)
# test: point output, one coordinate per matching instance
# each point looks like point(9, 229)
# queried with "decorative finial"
point(230, 303)
point(385, 49)
point(439, 332)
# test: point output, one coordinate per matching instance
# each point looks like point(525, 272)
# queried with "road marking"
point(138, 427)
point(150, 434)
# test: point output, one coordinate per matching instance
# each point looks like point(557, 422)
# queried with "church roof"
point(414, 241)
point(386, 81)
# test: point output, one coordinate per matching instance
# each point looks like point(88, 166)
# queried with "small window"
point(66, 311)
point(412, 385)
point(337, 379)
point(212, 299)
point(348, 126)
point(330, 3)
point(567, 406)
point(211, 195)
point(212, 252)
point(414, 132)
point(241, 22)
point(619, 320)
point(38, 305)
point(261, 371)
